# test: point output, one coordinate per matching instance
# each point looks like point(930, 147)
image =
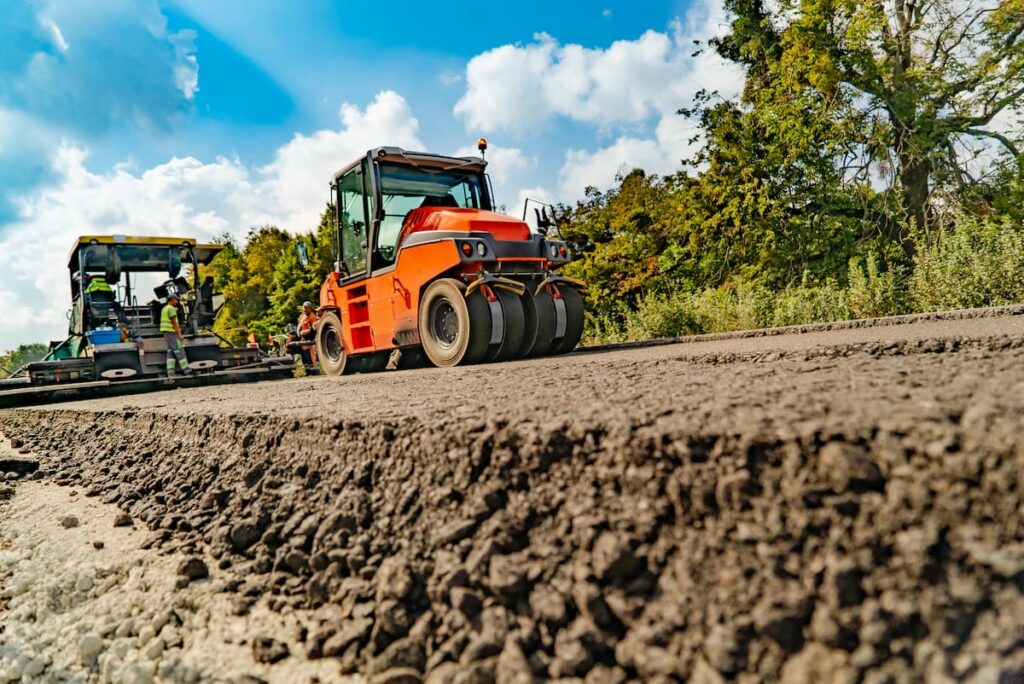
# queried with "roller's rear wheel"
point(330, 349)
point(539, 332)
point(511, 344)
point(454, 330)
point(573, 321)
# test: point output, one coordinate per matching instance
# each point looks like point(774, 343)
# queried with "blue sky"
point(198, 118)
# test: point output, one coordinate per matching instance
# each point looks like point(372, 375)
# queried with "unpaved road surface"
point(841, 505)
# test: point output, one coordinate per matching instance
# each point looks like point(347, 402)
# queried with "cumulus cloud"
point(517, 88)
point(184, 196)
point(301, 170)
point(623, 90)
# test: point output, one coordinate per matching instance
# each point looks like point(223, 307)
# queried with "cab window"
point(352, 217)
point(405, 188)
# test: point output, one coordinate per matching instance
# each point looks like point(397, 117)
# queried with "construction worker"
point(306, 332)
point(99, 289)
point(98, 283)
point(172, 336)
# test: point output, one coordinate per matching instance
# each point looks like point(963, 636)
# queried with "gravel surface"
point(839, 505)
point(94, 602)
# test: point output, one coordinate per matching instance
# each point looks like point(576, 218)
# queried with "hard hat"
point(307, 303)
point(172, 296)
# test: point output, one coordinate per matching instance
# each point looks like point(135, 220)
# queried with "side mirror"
point(303, 254)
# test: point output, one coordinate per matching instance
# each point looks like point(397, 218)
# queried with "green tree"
point(922, 82)
point(12, 360)
point(263, 282)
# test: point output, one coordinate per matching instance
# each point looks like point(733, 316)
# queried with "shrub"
point(980, 262)
point(873, 293)
point(810, 304)
point(656, 316)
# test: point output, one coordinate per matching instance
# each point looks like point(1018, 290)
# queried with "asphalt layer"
point(836, 505)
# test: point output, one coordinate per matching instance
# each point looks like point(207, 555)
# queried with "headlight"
point(553, 250)
point(481, 249)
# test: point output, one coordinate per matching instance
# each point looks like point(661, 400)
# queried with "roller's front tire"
point(330, 346)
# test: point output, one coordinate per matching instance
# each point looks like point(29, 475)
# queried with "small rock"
point(122, 520)
point(394, 579)
point(145, 635)
point(297, 562)
point(84, 583)
point(454, 532)
point(353, 630)
point(512, 667)
point(154, 649)
point(848, 467)
point(267, 650)
point(404, 653)
point(467, 602)
point(507, 576)
point(69, 521)
point(724, 651)
point(89, 646)
point(398, 675)
point(34, 667)
point(613, 561)
point(136, 674)
point(243, 535)
point(193, 569)
point(98, 545)
point(818, 663)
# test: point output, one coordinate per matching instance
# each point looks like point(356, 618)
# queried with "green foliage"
point(263, 283)
point(979, 263)
point(811, 304)
point(12, 360)
point(875, 293)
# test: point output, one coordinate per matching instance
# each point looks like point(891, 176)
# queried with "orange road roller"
point(426, 265)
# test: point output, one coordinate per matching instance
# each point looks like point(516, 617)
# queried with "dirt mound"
point(848, 519)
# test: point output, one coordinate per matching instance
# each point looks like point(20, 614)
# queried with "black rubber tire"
point(454, 330)
point(511, 344)
point(539, 332)
point(573, 321)
point(121, 365)
point(330, 347)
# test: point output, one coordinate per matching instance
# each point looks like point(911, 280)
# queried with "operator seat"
point(446, 201)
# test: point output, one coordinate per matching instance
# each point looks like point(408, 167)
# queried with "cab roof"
point(397, 155)
point(205, 252)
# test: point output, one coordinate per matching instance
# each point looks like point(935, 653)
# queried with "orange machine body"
point(380, 312)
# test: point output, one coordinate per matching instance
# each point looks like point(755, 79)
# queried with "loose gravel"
point(841, 505)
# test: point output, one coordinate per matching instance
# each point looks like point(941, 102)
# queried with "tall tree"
point(930, 81)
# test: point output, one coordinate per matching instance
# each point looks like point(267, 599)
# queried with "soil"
point(838, 505)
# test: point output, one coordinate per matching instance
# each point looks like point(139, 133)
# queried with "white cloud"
point(517, 88)
point(183, 196)
point(630, 87)
point(302, 169)
point(503, 163)
point(55, 33)
point(662, 155)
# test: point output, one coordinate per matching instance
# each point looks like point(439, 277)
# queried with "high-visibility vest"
point(98, 284)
